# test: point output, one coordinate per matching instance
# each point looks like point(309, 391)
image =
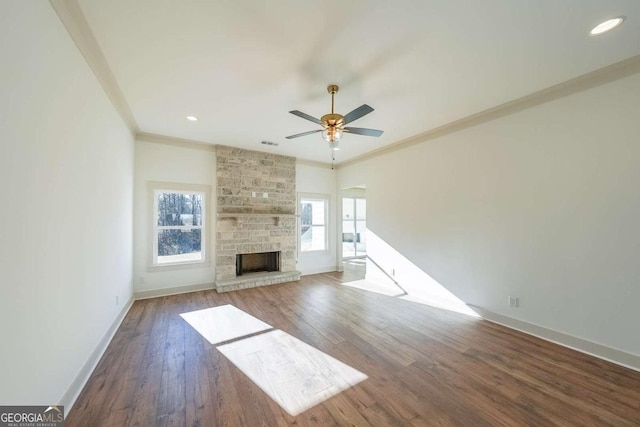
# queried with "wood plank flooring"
point(425, 366)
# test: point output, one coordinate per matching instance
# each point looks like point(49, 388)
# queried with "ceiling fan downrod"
point(332, 89)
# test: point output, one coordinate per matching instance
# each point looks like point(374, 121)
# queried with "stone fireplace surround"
point(248, 222)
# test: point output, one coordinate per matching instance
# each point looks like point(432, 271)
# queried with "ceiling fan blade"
point(297, 135)
point(306, 116)
point(362, 110)
point(364, 131)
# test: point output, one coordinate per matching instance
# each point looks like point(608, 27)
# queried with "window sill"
point(178, 266)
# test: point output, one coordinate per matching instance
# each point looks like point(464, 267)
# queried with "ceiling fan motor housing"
point(332, 120)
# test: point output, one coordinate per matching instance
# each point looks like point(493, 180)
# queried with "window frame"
point(315, 197)
point(156, 188)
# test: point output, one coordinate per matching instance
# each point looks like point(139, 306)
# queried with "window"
point(179, 232)
point(313, 223)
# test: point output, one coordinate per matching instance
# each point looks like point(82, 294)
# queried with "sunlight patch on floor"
point(294, 374)
point(386, 271)
point(372, 286)
point(443, 304)
point(375, 280)
point(224, 323)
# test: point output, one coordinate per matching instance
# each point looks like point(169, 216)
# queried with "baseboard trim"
point(319, 270)
point(73, 391)
point(163, 292)
point(613, 355)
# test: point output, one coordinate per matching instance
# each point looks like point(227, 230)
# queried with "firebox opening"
point(257, 262)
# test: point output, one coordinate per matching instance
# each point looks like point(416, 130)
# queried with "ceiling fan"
point(333, 125)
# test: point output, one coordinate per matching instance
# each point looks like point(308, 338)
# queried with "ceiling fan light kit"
point(332, 134)
point(333, 124)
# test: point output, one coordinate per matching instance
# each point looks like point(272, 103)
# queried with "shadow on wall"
point(414, 284)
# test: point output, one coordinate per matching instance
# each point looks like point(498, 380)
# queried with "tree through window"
point(179, 229)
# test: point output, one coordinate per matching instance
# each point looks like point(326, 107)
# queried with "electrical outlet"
point(265, 195)
point(253, 194)
point(141, 280)
point(393, 271)
point(513, 301)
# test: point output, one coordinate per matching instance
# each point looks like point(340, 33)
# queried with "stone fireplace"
point(256, 205)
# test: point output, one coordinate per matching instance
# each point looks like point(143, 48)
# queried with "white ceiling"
point(240, 66)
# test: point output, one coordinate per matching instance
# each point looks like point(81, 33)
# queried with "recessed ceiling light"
point(607, 25)
point(192, 118)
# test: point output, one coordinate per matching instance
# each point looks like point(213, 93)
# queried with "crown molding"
point(590, 80)
point(76, 24)
point(200, 145)
point(313, 163)
point(78, 28)
point(176, 142)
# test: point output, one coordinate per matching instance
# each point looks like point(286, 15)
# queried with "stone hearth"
point(256, 199)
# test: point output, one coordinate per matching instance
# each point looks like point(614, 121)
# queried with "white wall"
point(542, 204)
point(318, 180)
point(66, 217)
point(174, 164)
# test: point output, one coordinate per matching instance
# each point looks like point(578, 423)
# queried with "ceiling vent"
point(275, 144)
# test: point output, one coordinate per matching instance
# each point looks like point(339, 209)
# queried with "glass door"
point(361, 227)
point(354, 227)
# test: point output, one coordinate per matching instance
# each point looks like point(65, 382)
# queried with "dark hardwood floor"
point(425, 366)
